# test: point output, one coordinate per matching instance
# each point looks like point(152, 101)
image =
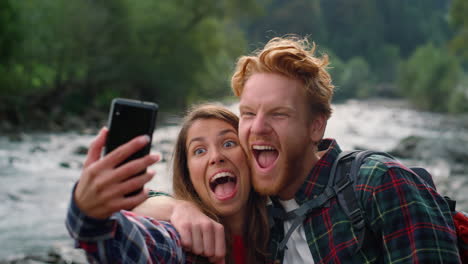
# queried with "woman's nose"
point(216, 157)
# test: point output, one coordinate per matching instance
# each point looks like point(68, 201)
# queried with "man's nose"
point(260, 125)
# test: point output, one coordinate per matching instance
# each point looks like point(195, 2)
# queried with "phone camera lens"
point(117, 113)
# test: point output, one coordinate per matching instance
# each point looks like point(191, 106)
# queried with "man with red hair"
point(285, 97)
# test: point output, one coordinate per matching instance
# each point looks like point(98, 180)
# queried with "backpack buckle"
point(342, 183)
point(357, 219)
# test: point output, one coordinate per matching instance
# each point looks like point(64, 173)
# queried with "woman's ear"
point(317, 128)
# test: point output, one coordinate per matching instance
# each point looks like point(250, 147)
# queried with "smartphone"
point(127, 120)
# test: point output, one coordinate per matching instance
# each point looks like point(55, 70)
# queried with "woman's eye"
point(230, 143)
point(199, 151)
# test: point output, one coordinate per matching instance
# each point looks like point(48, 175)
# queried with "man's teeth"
point(263, 148)
point(221, 175)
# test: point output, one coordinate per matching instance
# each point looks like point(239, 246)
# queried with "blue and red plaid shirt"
point(410, 221)
point(126, 238)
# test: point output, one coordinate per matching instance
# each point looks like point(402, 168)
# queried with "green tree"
point(380, 32)
point(430, 79)
point(459, 21)
point(353, 79)
point(77, 55)
point(304, 18)
point(10, 70)
point(9, 32)
point(410, 24)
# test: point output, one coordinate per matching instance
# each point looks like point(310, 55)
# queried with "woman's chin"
point(228, 206)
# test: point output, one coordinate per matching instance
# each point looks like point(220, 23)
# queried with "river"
point(38, 170)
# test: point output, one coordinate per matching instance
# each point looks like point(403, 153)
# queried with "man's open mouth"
point(223, 185)
point(265, 155)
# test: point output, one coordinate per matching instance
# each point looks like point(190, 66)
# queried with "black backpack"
point(343, 174)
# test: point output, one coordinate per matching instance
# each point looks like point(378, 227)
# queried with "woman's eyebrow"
point(199, 139)
point(227, 131)
point(221, 133)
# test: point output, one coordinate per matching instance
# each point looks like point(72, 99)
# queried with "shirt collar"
point(317, 179)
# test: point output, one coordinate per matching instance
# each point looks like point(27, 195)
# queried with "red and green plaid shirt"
point(126, 238)
point(411, 223)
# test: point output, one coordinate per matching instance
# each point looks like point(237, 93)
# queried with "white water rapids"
point(38, 171)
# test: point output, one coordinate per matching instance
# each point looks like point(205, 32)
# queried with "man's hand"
point(200, 234)
point(102, 187)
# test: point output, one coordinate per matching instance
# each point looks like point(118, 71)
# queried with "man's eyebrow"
point(283, 107)
point(244, 106)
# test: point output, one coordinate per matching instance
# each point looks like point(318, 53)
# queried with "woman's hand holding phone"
point(103, 186)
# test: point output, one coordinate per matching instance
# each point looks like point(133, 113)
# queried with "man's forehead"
point(271, 98)
point(264, 103)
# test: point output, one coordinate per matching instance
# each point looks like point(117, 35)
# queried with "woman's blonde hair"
point(294, 58)
point(256, 229)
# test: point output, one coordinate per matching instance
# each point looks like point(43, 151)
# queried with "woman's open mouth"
point(224, 185)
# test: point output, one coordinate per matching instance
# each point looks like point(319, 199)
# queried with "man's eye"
point(247, 114)
point(229, 144)
point(199, 151)
point(280, 114)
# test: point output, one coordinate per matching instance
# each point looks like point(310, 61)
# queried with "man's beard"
point(285, 176)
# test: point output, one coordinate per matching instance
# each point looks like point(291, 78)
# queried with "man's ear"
point(317, 128)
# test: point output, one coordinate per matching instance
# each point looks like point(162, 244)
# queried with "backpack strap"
point(298, 215)
point(343, 174)
point(346, 175)
point(425, 176)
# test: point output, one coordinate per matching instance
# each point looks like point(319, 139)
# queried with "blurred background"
point(400, 68)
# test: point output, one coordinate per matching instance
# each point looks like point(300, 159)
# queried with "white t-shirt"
point(298, 250)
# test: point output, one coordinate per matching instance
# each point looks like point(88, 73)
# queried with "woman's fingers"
point(100, 193)
point(134, 167)
point(132, 184)
point(128, 202)
point(99, 201)
point(103, 188)
point(107, 178)
point(94, 151)
point(121, 153)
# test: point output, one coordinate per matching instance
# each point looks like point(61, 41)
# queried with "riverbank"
point(38, 171)
point(56, 255)
point(89, 123)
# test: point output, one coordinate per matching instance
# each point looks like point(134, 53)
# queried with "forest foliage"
point(61, 58)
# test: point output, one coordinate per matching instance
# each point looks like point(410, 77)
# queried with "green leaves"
point(76, 55)
point(430, 79)
point(459, 21)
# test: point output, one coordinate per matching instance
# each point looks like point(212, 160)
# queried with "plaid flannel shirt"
point(411, 223)
point(126, 238)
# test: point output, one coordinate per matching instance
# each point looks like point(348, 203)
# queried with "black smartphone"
point(127, 120)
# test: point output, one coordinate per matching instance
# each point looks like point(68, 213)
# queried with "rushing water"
point(38, 171)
